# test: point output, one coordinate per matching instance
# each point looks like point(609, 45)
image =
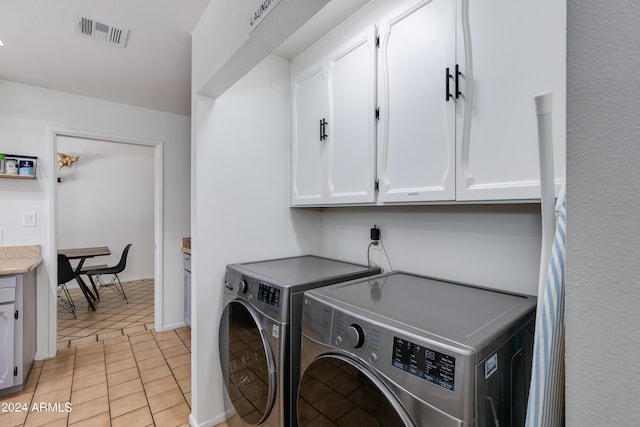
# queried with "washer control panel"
point(393, 352)
point(423, 362)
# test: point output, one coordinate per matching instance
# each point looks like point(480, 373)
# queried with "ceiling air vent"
point(100, 31)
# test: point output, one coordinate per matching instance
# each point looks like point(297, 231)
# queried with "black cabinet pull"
point(456, 78)
point(447, 76)
point(323, 129)
point(458, 93)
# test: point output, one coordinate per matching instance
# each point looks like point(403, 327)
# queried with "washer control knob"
point(338, 340)
point(354, 336)
point(373, 358)
point(244, 286)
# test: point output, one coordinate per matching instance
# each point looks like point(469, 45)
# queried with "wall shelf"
point(20, 157)
point(4, 175)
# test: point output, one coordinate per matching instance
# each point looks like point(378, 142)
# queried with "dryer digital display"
point(269, 294)
point(423, 362)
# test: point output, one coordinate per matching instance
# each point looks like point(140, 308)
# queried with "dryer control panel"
point(269, 299)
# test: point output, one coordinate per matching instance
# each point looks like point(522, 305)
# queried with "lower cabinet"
point(17, 330)
point(7, 327)
point(187, 289)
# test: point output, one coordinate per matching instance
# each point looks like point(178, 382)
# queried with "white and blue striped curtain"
point(546, 394)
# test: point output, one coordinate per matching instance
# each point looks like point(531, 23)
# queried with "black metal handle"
point(323, 129)
point(447, 76)
point(458, 93)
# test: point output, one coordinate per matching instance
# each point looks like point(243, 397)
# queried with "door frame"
point(158, 145)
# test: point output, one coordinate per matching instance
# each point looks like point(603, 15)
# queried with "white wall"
point(603, 200)
point(240, 208)
point(107, 199)
point(20, 136)
point(496, 246)
point(27, 115)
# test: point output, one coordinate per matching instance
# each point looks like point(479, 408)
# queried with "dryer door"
point(247, 362)
point(337, 391)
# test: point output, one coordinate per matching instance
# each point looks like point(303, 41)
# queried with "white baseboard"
point(210, 423)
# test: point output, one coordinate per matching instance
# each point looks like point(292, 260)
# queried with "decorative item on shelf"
point(26, 167)
point(11, 166)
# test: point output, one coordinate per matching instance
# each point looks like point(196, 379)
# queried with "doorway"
point(110, 197)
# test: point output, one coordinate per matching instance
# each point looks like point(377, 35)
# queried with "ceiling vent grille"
point(100, 31)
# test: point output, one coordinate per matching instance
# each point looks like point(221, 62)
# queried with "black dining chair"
point(114, 282)
point(65, 275)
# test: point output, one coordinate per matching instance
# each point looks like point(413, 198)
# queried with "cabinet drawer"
point(8, 281)
point(7, 294)
point(7, 289)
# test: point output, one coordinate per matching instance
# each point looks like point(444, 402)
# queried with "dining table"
point(82, 254)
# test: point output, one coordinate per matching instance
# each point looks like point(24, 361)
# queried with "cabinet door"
point(7, 345)
point(187, 297)
point(417, 123)
point(307, 181)
point(510, 52)
point(351, 132)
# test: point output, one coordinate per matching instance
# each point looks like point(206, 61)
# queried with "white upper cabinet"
point(334, 128)
point(509, 52)
point(308, 144)
point(417, 125)
point(453, 82)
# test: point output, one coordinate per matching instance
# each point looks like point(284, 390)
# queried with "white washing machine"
point(400, 349)
point(260, 333)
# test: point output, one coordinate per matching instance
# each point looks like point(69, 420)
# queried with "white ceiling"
point(153, 71)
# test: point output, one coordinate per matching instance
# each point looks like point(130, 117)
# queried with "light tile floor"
point(112, 369)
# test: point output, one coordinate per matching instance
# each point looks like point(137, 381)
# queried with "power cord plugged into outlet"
point(375, 235)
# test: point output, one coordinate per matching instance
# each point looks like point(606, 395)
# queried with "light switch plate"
point(28, 219)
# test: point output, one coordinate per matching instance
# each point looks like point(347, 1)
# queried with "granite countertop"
point(19, 259)
point(186, 245)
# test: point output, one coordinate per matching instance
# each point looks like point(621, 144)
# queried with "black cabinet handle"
point(456, 78)
point(323, 129)
point(447, 76)
point(458, 93)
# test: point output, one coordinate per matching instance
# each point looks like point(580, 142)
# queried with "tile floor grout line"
point(143, 389)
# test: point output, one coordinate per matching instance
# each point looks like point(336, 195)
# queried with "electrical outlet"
point(28, 219)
